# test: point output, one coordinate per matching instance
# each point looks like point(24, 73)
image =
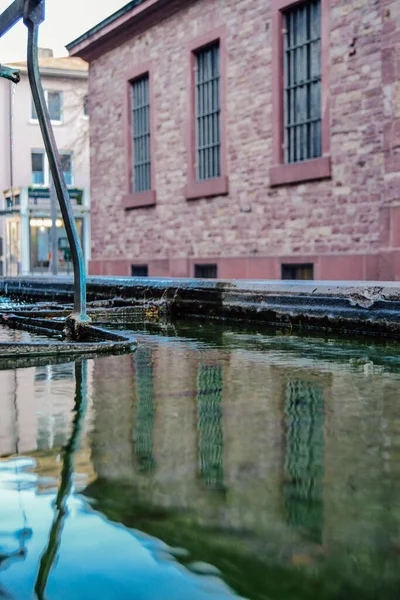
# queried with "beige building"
point(25, 221)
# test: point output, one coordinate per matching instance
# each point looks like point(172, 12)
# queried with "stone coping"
point(356, 307)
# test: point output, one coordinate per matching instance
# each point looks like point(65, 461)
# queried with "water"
point(213, 463)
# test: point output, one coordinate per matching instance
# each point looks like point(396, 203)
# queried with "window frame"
point(282, 173)
point(139, 266)
point(53, 121)
point(69, 153)
point(297, 265)
point(203, 265)
point(85, 107)
point(217, 186)
point(148, 198)
point(46, 167)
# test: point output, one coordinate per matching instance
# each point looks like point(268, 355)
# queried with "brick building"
point(246, 138)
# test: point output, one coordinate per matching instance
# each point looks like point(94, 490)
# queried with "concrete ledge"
point(349, 307)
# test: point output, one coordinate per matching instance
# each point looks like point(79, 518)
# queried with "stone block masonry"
point(347, 226)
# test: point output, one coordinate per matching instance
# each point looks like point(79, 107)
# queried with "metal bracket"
point(10, 73)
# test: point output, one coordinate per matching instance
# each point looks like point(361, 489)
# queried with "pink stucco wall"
point(27, 134)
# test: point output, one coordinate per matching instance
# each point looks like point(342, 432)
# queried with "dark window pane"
point(33, 112)
point(65, 162)
point(140, 270)
point(37, 159)
point(207, 100)
point(86, 106)
point(54, 102)
point(298, 271)
point(302, 80)
point(141, 134)
point(66, 166)
point(208, 271)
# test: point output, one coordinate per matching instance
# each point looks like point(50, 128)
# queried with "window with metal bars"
point(208, 137)
point(207, 271)
point(304, 457)
point(209, 425)
point(302, 81)
point(144, 411)
point(141, 134)
point(139, 270)
point(298, 271)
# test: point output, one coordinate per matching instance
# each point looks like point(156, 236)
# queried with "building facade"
point(246, 138)
point(26, 217)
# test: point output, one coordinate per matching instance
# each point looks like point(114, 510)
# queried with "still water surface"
point(212, 463)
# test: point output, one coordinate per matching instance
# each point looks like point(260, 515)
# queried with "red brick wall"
point(348, 225)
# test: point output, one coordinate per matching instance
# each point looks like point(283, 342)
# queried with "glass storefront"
point(41, 245)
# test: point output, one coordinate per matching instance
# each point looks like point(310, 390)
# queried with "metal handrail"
point(32, 12)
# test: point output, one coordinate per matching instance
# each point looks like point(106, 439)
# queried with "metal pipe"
point(14, 13)
point(33, 16)
point(11, 129)
point(10, 73)
point(60, 507)
point(11, 16)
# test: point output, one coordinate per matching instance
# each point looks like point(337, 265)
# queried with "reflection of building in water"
point(209, 423)
point(36, 406)
point(298, 443)
point(52, 423)
point(304, 457)
point(144, 410)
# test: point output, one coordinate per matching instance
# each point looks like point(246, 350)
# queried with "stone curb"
point(351, 307)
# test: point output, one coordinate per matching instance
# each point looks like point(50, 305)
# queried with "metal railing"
point(33, 12)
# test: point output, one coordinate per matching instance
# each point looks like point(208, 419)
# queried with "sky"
point(65, 21)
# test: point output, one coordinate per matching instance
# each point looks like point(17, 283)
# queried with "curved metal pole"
point(60, 509)
point(33, 16)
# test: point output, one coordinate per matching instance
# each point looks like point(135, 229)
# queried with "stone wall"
point(347, 225)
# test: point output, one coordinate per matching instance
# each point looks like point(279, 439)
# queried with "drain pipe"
point(10, 114)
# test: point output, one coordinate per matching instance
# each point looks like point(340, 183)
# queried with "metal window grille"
point(139, 270)
point(208, 135)
point(209, 423)
point(298, 271)
point(144, 411)
point(304, 457)
point(141, 134)
point(208, 271)
point(302, 71)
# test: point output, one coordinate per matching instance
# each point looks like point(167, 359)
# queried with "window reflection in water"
point(52, 420)
point(304, 457)
point(144, 410)
point(209, 423)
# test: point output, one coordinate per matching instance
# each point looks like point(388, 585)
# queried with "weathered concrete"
point(368, 308)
